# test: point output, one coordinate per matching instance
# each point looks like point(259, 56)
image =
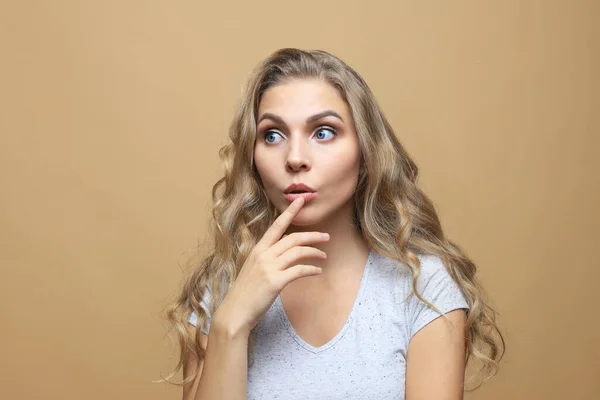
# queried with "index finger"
point(277, 229)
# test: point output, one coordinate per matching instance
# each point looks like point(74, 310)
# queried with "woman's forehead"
point(302, 99)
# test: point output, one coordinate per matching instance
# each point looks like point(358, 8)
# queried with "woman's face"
point(295, 145)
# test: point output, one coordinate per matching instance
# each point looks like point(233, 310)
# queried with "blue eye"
point(269, 133)
point(325, 128)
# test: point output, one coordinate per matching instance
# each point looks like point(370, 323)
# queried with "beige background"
point(113, 112)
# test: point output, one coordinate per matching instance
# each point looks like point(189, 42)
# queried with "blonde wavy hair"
point(394, 216)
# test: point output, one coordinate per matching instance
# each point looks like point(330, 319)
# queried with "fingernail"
point(326, 235)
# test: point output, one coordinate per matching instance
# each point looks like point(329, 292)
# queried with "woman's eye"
point(270, 134)
point(325, 129)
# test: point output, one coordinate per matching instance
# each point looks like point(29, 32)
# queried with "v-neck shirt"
point(367, 357)
point(340, 334)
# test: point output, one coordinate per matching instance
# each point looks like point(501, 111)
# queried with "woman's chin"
point(304, 220)
point(307, 218)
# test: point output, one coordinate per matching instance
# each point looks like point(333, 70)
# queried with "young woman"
point(329, 275)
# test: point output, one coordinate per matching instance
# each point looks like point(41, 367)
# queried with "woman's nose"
point(297, 157)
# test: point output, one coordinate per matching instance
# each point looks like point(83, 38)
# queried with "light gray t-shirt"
point(367, 358)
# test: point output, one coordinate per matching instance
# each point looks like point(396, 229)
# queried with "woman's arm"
point(189, 389)
point(435, 367)
point(223, 372)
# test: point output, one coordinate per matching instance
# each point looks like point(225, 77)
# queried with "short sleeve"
point(204, 303)
point(436, 286)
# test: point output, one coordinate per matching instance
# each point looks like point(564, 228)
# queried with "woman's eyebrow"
point(309, 120)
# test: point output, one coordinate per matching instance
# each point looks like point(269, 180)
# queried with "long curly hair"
point(394, 216)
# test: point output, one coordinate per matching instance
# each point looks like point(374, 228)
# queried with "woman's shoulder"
point(430, 264)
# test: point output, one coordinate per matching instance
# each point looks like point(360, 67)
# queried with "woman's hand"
point(270, 266)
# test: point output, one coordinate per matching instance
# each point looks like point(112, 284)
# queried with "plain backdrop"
point(112, 113)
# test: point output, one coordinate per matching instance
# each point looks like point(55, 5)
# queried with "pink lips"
point(304, 191)
point(307, 196)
